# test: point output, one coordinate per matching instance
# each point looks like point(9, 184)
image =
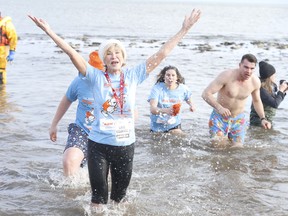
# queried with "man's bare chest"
point(238, 91)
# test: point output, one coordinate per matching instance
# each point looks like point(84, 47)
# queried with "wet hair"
point(161, 75)
point(250, 58)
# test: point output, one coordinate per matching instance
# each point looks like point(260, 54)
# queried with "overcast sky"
point(248, 1)
point(238, 1)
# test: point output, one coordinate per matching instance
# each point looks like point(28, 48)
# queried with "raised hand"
point(78, 61)
point(40, 23)
point(189, 21)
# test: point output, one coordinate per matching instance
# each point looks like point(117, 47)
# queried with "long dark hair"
point(161, 75)
point(268, 84)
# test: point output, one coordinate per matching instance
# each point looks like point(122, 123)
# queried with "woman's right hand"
point(53, 133)
point(40, 23)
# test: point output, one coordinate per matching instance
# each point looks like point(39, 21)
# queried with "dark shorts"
point(78, 138)
point(167, 131)
point(1, 77)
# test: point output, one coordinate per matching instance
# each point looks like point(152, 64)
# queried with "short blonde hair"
point(104, 46)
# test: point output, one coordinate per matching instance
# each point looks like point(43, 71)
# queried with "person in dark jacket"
point(270, 94)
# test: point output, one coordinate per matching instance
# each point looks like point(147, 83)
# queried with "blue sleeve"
point(154, 94)
point(90, 75)
point(71, 92)
point(138, 73)
point(188, 93)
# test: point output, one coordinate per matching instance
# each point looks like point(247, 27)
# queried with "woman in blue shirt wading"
point(112, 137)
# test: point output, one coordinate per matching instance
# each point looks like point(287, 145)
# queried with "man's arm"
point(214, 87)
point(257, 103)
point(154, 60)
point(61, 110)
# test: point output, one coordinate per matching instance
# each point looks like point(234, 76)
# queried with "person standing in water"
point(233, 88)
point(271, 95)
point(75, 152)
point(111, 140)
point(166, 98)
point(8, 44)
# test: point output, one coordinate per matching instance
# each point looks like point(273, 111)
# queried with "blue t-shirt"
point(113, 127)
point(79, 89)
point(166, 98)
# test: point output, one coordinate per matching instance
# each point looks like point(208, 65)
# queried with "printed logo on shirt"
point(89, 119)
point(109, 106)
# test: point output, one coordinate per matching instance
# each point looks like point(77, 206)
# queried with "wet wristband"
point(263, 119)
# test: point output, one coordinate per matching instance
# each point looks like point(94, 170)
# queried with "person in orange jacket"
point(8, 43)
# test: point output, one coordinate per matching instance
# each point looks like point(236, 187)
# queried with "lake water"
point(172, 175)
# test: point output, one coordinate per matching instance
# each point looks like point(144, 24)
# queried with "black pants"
point(1, 78)
point(119, 159)
point(167, 131)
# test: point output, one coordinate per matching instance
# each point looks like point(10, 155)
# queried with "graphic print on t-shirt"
point(109, 106)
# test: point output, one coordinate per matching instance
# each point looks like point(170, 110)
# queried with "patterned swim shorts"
point(78, 138)
point(235, 127)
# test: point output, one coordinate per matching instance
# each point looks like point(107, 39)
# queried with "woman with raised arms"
point(111, 140)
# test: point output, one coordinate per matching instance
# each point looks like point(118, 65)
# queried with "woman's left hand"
point(192, 108)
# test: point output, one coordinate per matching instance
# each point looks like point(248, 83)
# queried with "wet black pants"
point(101, 158)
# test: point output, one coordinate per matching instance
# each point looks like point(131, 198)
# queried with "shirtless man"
point(233, 88)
